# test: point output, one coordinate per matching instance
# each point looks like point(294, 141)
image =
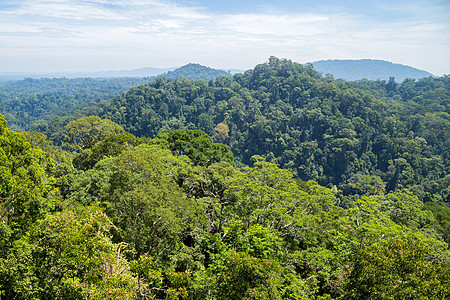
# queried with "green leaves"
point(84, 133)
point(174, 218)
point(406, 209)
point(195, 144)
point(146, 203)
point(110, 146)
point(400, 267)
point(264, 195)
point(68, 255)
point(23, 185)
point(237, 275)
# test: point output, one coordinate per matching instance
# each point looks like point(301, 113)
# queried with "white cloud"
point(280, 25)
point(120, 34)
point(63, 9)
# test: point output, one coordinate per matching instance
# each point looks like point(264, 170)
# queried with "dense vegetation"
point(195, 72)
point(335, 132)
point(371, 69)
point(172, 218)
point(327, 189)
point(24, 102)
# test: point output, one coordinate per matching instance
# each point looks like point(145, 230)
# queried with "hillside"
point(368, 69)
point(302, 187)
point(46, 97)
point(195, 71)
point(326, 130)
point(26, 101)
point(331, 131)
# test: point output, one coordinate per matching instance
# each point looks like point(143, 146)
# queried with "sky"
point(100, 35)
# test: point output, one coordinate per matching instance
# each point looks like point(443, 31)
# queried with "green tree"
point(110, 146)
point(146, 203)
point(68, 255)
point(406, 209)
point(59, 162)
point(237, 275)
point(400, 268)
point(265, 195)
point(196, 144)
point(365, 185)
point(84, 133)
point(206, 185)
point(25, 190)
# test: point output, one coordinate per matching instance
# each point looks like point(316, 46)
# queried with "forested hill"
point(112, 214)
point(195, 71)
point(371, 69)
point(335, 132)
point(24, 102)
point(393, 135)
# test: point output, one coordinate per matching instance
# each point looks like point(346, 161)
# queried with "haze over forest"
point(342, 69)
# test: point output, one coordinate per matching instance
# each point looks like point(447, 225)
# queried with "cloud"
point(106, 34)
point(279, 25)
point(63, 9)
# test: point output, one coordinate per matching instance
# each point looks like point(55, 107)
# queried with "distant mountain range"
point(142, 72)
point(369, 69)
point(192, 71)
point(344, 69)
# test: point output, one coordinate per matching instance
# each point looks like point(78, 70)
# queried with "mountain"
point(12, 76)
point(196, 71)
point(141, 72)
point(369, 69)
point(331, 131)
point(115, 215)
point(191, 71)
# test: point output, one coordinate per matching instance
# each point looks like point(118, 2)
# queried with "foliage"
point(112, 145)
point(237, 275)
point(27, 101)
point(399, 268)
point(86, 132)
point(195, 72)
point(25, 191)
point(146, 203)
point(442, 215)
point(68, 255)
point(325, 199)
point(195, 144)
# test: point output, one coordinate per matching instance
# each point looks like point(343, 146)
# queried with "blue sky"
point(94, 35)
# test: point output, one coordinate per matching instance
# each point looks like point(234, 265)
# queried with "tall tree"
point(84, 133)
point(24, 187)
